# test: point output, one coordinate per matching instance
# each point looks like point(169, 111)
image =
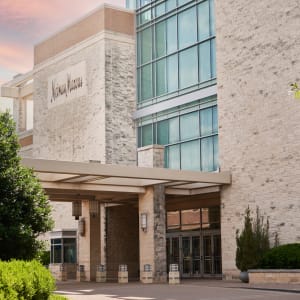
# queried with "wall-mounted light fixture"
point(76, 209)
point(81, 226)
point(144, 223)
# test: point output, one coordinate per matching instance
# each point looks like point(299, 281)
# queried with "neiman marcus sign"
point(67, 85)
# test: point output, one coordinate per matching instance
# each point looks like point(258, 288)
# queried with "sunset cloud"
point(24, 23)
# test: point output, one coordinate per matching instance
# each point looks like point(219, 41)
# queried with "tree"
point(253, 242)
point(25, 211)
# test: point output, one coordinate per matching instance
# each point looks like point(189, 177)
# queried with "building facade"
point(196, 86)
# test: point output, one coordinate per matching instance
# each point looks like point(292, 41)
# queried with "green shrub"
point(25, 280)
point(252, 242)
point(282, 257)
point(57, 297)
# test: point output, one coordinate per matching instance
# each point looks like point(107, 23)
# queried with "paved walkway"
point(188, 290)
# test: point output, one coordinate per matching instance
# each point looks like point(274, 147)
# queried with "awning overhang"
point(67, 181)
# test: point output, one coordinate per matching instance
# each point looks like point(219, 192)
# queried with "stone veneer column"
point(153, 241)
point(89, 244)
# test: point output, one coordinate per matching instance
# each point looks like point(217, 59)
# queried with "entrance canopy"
point(68, 181)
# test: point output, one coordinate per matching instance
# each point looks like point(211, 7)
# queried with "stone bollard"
point(101, 274)
point(123, 274)
point(62, 276)
point(174, 277)
point(147, 275)
point(80, 273)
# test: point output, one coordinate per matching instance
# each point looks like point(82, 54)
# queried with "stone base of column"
point(174, 277)
point(146, 277)
point(100, 276)
point(123, 276)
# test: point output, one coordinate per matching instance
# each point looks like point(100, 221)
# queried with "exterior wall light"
point(144, 223)
point(76, 209)
point(81, 226)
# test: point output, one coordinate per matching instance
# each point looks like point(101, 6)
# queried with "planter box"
point(274, 276)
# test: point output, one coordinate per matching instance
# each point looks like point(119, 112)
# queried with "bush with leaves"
point(25, 280)
point(253, 242)
point(25, 211)
point(282, 257)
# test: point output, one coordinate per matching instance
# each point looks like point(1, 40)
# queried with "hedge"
point(282, 257)
point(25, 280)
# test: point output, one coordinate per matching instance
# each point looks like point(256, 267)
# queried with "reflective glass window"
point(172, 34)
point(203, 21)
point(187, 27)
point(204, 61)
point(146, 82)
point(189, 126)
point(146, 45)
point(190, 155)
point(212, 18)
point(213, 57)
point(188, 67)
point(145, 16)
point(216, 153)
point(174, 157)
point(174, 130)
point(147, 135)
point(171, 4)
point(161, 80)
point(215, 119)
point(163, 132)
point(172, 73)
point(206, 119)
point(160, 9)
point(181, 2)
point(207, 154)
point(160, 39)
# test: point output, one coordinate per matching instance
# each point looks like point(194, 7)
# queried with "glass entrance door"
point(197, 255)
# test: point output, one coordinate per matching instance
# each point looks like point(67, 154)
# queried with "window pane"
point(146, 16)
point(207, 154)
point(161, 84)
point(56, 254)
point(147, 135)
point(140, 137)
point(146, 82)
point(188, 67)
point(70, 253)
point(203, 20)
point(181, 2)
point(204, 61)
point(187, 27)
point(171, 4)
point(190, 156)
point(162, 132)
point(173, 130)
point(160, 38)
point(215, 119)
point(174, 159)
point(216, 153)
point(146, 42)
point(213, 57)
point(172, 73)
point(212, 18)
point(160, 9)
point(206, 121)
point(172, 34)
point(190, 216)
point(173, 219)
point(189, 126)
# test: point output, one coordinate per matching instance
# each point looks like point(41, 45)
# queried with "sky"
point(24, 23)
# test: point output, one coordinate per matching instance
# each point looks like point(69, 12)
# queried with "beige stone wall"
point(96, 126)
point(274, 276)
point(259, 124)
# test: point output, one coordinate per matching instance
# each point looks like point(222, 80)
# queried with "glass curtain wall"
point(189, 134)
point(175, 47)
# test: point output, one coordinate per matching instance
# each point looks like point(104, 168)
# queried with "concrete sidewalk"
point(187, 290)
